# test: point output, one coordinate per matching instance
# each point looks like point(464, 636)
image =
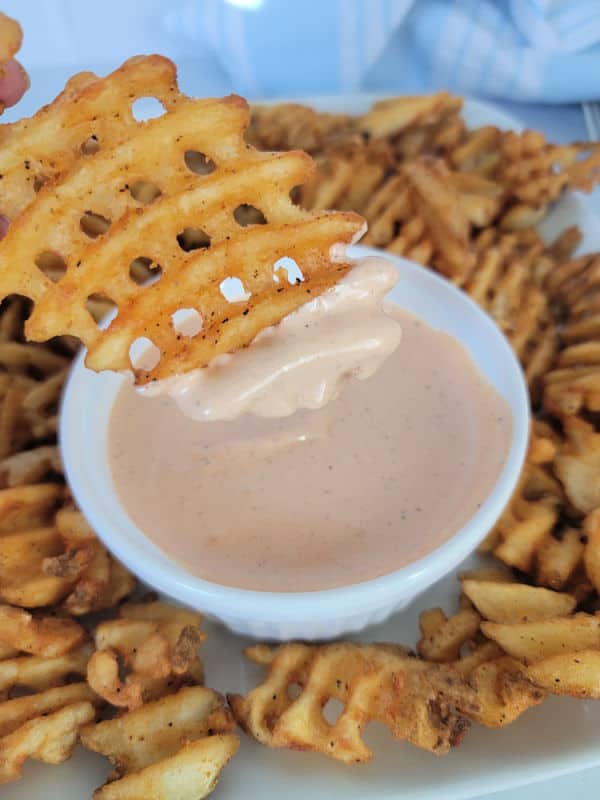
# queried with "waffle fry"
point(398, 114)
point(346, 176)
point(155, 644)
point(62, 221)
point(290, 126)
point(28, 506)
point(426, 704)
point(516, 602)
point(573, 385)
point(442, 638)
point(530, 518)
point(42, 720)
point(373, 682)
point(578, 464)
point(530, 642)
point(30, 466)
point(153, 739)
point(192, 773)
point(37, 150)
point(46, 636)
point(62, 563)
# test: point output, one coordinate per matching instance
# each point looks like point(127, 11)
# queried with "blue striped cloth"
point(536, 50)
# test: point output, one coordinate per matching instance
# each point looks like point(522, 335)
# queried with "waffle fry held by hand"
point(201, 179)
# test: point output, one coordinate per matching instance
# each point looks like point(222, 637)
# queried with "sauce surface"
point(377, 478)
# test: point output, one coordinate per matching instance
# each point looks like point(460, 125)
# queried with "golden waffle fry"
point(59, 221)
point(22, 578)
point(290, 126)
point(191, 774)
point(416, 700)
point(30, 466)
point(152, 741)
point(445, 219)
point(155, 644)
point(558, 558)
point(39, 673)
point(346, 176)
point(516, 602)
point(64, 563)
point(41, 709)
point(575, 285)
point(28, 506)
point(574, 383)
point(396, 115)
point(41, 636)
point(49, 737)
point(578, 464)
point(530, 642)
point(379, 682)
point(479, 153)
point(442, 638)
point(591, 556)
point(90, 114)
point(96, 579)
point(572, 674)
point(435, 138)
point(533, 512)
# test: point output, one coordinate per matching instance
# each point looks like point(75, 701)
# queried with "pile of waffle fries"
point(128, 683)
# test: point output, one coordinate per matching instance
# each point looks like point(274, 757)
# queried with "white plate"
point(560, 736)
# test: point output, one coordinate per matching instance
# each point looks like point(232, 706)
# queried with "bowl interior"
point(85, 415)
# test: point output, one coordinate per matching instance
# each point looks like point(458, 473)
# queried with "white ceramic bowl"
point(85, 415)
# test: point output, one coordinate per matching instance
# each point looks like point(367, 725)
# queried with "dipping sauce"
point(302, 362)
point(379, 477)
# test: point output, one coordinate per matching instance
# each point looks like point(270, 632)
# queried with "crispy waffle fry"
point(574, 383)
point(575, 285)
point(190, 774)
point(50, 738)
point(530, 518)
point(444, 217)
point(64, 563)
point(371, 681)
point(22, 579)
point(379, 682)
point(155, 644)
point(160, 737)
point(573, 674)
point(40, 636)
point(289, 126)
point(516, 602)
point(346, 176)
point(59, 221)
point(41, 710)
point(28, 506)
point(30, 466)
point(159, 729)
point(96, 579)
point(78, 122)
point(578, 464)
point(530, 642)
point(591, 557)
point(398, 114)
point(442, 638)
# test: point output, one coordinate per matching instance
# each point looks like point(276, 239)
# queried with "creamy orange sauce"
point(380, 476)
point(305, 360)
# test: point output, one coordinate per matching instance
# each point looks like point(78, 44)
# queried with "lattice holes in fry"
point(95, 221)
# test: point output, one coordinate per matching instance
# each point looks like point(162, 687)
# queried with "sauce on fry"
point(304, 361)
point(377, 478)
